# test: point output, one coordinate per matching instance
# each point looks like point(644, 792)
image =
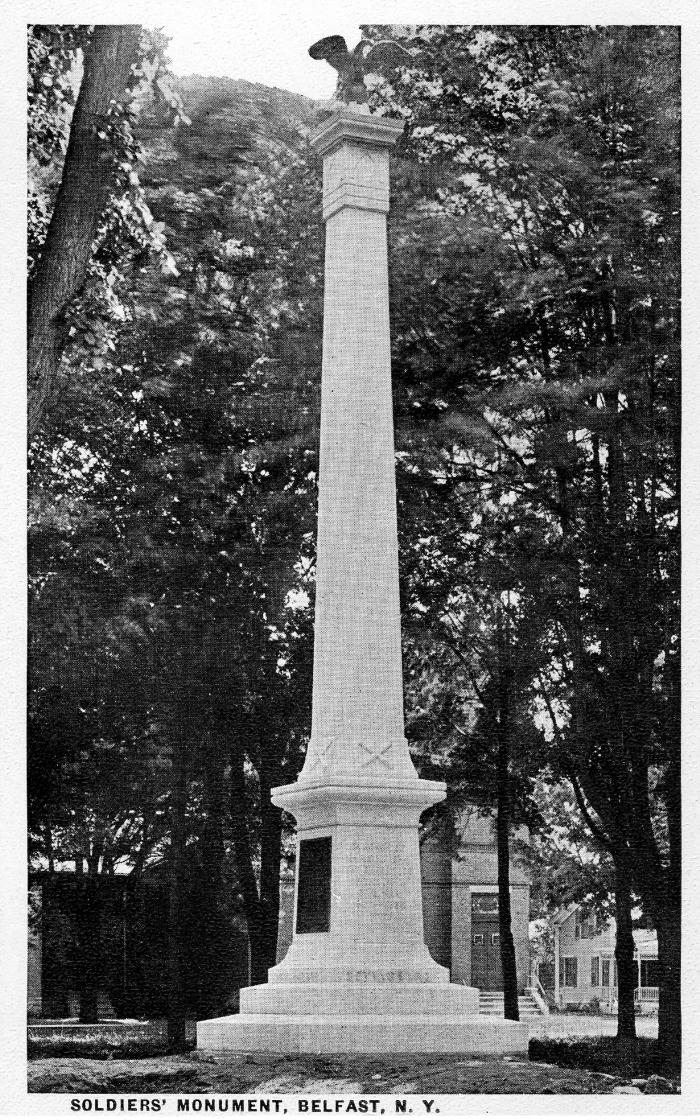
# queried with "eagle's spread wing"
point(386, 52)
point(353, 65)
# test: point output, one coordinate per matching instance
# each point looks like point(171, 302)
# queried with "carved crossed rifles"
point(321, 753)
point(374, 755)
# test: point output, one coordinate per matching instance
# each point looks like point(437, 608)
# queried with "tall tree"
point(78, 232)
point(555, 156)
point(89, 172)
point(172, 498)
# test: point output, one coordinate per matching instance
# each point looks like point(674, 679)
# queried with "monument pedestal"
point(367, 983)
point(358, 976)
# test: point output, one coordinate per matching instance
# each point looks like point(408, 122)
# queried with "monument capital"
point(355, 149)
point(357, 128)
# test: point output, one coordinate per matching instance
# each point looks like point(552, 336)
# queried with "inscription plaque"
point(314, 893)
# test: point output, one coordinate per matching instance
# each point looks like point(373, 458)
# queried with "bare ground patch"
point(342, 1075)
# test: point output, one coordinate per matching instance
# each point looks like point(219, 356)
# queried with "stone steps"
point(491, 1003)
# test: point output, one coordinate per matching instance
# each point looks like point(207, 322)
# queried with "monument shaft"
point(358, 786)
point(357, 650)
point(357, 723)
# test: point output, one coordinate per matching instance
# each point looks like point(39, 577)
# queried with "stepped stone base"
point(346, 1000)
point(361, 1018)
point(363, 1034)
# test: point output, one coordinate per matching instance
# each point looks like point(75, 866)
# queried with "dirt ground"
point(340, 1076)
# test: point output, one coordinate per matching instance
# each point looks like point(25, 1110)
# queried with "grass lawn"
point(570, 1024)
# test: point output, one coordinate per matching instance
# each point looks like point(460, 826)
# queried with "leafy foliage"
point(538, 356)
point(171, 503)
point(535, 332)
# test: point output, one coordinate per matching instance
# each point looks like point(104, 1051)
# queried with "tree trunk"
point(668, 931)
point(176, 903)
point(132, 987)
point(211, 922)
point(270, 860)
point(244, 862)
point(667, 914)
point(212, 832)
point(624, 954)
point(660, 888)
point(89, 946)
point(261, 903)
point(88, 174)
point(508, 963)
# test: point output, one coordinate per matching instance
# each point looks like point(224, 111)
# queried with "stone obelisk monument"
point(358, 976)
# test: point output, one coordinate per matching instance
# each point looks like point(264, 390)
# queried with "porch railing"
point(646, 995)
point(538, 993)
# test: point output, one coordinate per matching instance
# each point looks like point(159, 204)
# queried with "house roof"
point(564, 913)
point(644, 939)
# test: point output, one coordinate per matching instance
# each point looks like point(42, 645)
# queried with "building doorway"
point(486, 943)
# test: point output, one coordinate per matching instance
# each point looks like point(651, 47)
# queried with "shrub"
point(103, 1042)
point(599, 1055)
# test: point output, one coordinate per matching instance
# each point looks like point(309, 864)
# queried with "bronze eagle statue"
point(352, 66)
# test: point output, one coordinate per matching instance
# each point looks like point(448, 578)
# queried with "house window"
point(595, 972)
point(495, 938)
point(478, 939)
point(649, 970)
point(605, 967)
point(568, 970)
point(585, 926)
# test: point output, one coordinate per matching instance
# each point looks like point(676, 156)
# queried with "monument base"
point(363, 1034)
point(350, 1000)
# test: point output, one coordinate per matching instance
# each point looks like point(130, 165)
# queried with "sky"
point(267, 41)
point(256, 47)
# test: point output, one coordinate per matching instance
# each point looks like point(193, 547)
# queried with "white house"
point(584, 962)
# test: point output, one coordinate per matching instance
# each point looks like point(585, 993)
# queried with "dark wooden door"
point(486, 943)
point(486, 957)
